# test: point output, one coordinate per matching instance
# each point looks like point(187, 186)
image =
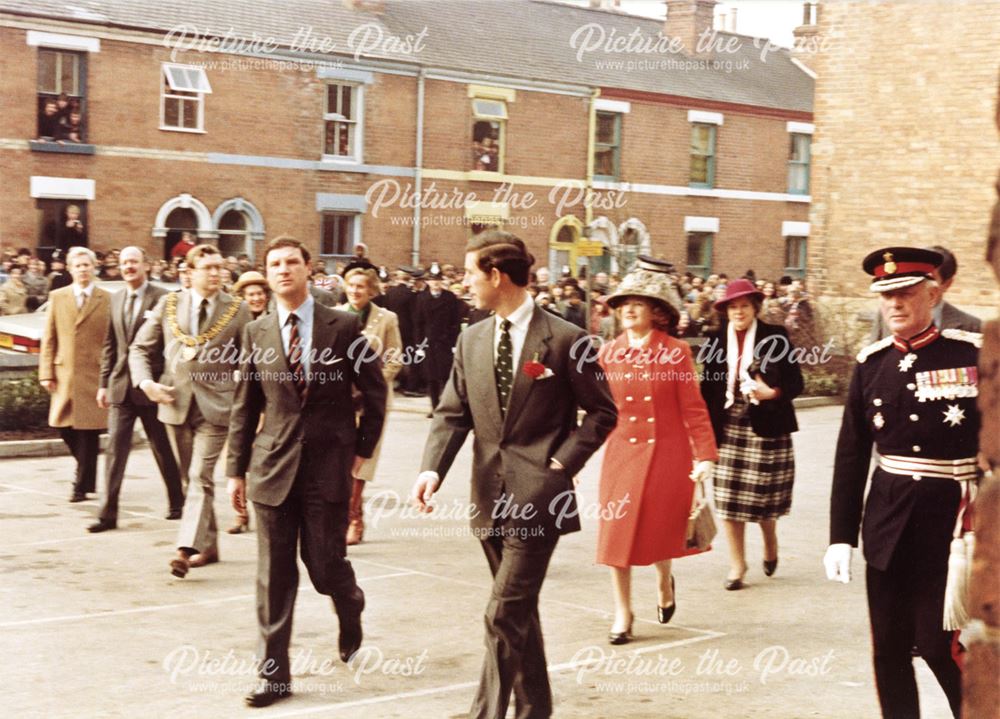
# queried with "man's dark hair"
point(504, 252)
point(949, 266)
point(286, 241)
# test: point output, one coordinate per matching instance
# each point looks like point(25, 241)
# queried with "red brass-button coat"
point(645, 489)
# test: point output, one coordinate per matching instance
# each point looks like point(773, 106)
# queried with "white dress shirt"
point(305, 313)
point(139, 294)
point(79, 292)
point(196, 308)
point(519, 319)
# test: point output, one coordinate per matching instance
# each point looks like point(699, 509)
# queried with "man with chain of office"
point(184, 358)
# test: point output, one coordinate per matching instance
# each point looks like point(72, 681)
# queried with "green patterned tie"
point(504, 369)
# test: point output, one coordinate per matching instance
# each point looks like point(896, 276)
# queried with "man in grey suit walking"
point(194, 335)
point(302, 361)
point(516, 382)
point(129, 309)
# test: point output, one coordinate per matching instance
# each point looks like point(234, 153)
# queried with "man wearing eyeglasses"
point(191, 342)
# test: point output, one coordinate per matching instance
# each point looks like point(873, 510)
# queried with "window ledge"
point(183, 129)
point(484, 176)
point(68, 148)
point(340, 160)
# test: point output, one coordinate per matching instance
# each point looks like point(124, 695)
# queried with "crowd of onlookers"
point(26, 280)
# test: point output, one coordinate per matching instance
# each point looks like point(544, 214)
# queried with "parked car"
point(23, 333)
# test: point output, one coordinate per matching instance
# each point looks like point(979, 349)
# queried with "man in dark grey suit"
point(302, 361)
point(517, 381)
point(130, 307)
point(946, 315)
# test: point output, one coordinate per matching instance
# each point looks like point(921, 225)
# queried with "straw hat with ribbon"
point(652, 279)
point(248, 278)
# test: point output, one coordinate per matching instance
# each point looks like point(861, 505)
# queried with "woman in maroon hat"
point(749, 381)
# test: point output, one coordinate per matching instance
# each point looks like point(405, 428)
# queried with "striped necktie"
point(504, 369)
point(295, 355)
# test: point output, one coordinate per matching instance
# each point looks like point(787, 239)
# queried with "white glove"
point(838, 562)
point(747, 386)
point(703, 471)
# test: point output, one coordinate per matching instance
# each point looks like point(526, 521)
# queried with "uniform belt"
point(920, 467)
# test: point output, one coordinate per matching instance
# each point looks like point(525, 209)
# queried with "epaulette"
point(973, 338)
point(874, 347)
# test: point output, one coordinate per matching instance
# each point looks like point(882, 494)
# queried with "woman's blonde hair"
point(368, 273)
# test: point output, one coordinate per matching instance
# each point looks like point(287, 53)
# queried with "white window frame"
point(356, 155)
point(168, 88)
point(480, 114)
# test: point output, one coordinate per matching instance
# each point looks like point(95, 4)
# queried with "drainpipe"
point(591, 139)
point(418, 180)
point(589, 191)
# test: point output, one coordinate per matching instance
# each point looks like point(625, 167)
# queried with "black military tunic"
point(915, 401)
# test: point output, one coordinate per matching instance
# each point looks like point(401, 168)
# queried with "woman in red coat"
point(663, 426)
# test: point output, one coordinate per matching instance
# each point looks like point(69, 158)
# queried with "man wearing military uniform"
point(913, 394)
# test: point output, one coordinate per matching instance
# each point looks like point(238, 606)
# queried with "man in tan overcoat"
point(70, 365)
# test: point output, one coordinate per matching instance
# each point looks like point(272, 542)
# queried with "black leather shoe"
point(769, 566)
point(625, 637)
point(102, 525)
point(349, 613)
point(733, 584)
point(267, 693)
point(664, 614)
point(77, 497)
point(175, 513)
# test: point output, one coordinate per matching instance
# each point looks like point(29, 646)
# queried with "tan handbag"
point(701, 529)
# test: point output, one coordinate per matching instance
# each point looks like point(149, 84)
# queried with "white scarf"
point(735, 374)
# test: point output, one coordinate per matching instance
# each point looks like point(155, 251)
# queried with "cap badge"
point(890, 266)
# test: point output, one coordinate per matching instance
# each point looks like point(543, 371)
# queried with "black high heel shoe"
point(770, 565)
point(625, 637)
point(664, 614)
point(734, 584)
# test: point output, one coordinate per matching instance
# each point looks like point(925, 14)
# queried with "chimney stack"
point(687, 20)
point(806, 34)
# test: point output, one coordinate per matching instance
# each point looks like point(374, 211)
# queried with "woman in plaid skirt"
point(749, 382)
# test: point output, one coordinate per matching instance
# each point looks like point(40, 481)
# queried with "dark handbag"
point(701, 529)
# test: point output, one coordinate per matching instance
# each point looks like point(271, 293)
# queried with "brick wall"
point(256, 109)
point(904, 151)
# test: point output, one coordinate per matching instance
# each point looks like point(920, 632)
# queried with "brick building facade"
point(503, 105)
point(905, 149)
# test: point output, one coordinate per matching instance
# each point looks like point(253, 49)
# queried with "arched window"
point(179, 221)
point(233, 233)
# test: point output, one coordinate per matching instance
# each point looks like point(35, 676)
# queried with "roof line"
point(657, 98)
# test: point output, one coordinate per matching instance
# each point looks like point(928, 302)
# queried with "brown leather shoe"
point(240, 527)
point(202, 559)
point(180, 565)
point(356, 526)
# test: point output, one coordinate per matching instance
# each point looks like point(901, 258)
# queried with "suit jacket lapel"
point(148, 302)
point(184, 312)
point(96, 298)
point(268, 338)
point(323, 336)
point(535, 348)
point(221, 305)
point(479, 375)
